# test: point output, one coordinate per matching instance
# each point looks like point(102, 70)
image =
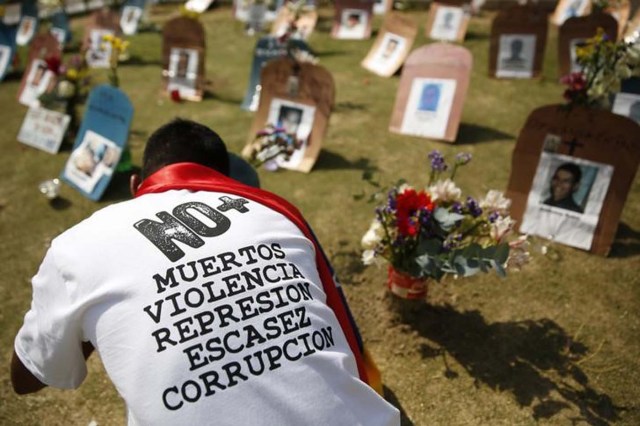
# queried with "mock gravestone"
point(60, 27)
point(392, 45)
point(627, 101)
point(130, 16)
point(352, 19)
point(101, 139)
point(569, 181)
point(518, 40)
point(447, 22)
point(267, 49)
point(7, 47)
point(28, 23)
point(74, 7)
point(38, 79)
point(381, 7)
point(575, 31)
point(567, 9)
point(432, 90)
point(101, 23)
point(297, 97)
point(44, 129)
point(183, 58)
point(304, 23)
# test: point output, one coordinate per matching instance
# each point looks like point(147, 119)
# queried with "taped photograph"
point(429, 107)
point(95, 157)
point(446, 24)
point(99, 53)
point(515, 56)
point(37, 82)
point(353, 24)
point(389, 53)
point(296, 119)
point(183, 71)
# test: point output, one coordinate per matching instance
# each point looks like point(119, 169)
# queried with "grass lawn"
point(556, 343)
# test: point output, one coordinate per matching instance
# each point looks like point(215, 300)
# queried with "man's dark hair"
point(184, 141)
point(572, 168)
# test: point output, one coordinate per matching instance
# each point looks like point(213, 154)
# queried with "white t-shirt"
point(222, 321)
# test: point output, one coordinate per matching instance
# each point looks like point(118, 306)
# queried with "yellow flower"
point(72, 74)
point(187, 13)
point(108, 38)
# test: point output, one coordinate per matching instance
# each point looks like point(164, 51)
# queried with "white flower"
point(66, 89)
point(369, 257)
point(495, 201)
point(404, 187)
point(518, 253)
point(373, 236)
point(445, 190)
point(501, 228)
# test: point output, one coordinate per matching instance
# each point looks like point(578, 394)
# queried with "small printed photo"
point(296, 119)
point(183, 71)
point(574, 43)
point(551, 143)
point(26, 30)
point(12, 13)
point(95, 157)
point(129, 19)
point(99, 53)
point(447, 22)
point(516, 55)
point(353, 24)
point(388, 54)
point(37, 82)
point(566, 198)
point(628, 105)
point(429, 107)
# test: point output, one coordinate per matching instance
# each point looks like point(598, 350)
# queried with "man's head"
point(516, 48)
point(181, 141)
point(565, 181)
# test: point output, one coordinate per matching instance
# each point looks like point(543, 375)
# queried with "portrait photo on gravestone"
point(515, 55)
point(94, 158)
point(37, 82)
point(429, 106)
point(353, 24)
point(183, 70)
point(296, 119)
point(447, 22)
point(566, 198)
point(99, 53)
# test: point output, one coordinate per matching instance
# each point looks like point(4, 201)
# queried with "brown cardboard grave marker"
point(304, 87)
point(447, 22)
point(567, 9)
point(352, 19)
point(575, 31)
point(101, 19)
point(392, 45)
point(433, 86)
point(36, 79)
point(305, 23)
point(518, 40)
point(607, 152)
point(183, 57)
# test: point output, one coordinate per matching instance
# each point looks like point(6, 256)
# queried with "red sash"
point(195, 177)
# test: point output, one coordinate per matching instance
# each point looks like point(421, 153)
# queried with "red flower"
point(175, 96)
point(53, 64)
point(409, 205)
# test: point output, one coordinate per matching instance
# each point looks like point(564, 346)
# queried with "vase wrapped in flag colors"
point(427, 233)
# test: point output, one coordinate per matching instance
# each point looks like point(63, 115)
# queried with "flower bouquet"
point(270, 146)
point(428, 233)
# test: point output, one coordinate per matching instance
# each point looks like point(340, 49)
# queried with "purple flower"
point(437, 161)
point(473, 207)
point(493, 216)
point(456, 207)
point(463, 158)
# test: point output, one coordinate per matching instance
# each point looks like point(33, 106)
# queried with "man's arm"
point(24, 382)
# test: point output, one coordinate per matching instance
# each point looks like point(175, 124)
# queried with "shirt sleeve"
point(49, 343)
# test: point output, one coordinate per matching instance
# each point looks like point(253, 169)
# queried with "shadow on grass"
point(474, 133)
point(328, 160)
point(209, 93)
point(536, 361)
point(391, 398)
point(137, 60)
point(626, 242)
point(349, 106)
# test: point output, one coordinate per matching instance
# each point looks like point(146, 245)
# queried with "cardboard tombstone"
point(38, 78)
point(44, 129)
point(447, 22)
point(432, 90)
point(518, 40)
point(304, 24)
point(621, 12)
point(28, 23)
point(627, 101)
point(7, 48)
point(199, 6)
point(97, 52)
point(60, 27)
point(567, 9)
point(298, 97)
point(381, 7)
point(73, 7)
point(246, 10)
point(392, 45)
point(267, 49)
point(569, 181)
point(575, 31)
point(130, 16)
point(352, 19)
point(102, 137)
point(183, 57)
